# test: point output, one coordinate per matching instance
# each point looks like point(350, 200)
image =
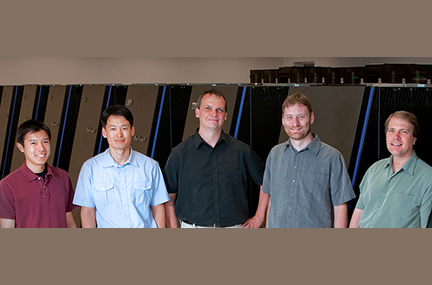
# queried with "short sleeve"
point(70, 194)
point(7, 202)
point(363, 187)
point(170, 173)
point(267, 176)
point(254, 166)
point(83, 192)
point(425, 207)
point(160, 194)
point(341, 188)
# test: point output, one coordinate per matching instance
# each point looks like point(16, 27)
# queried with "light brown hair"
point(407, 116)
point(297, 98)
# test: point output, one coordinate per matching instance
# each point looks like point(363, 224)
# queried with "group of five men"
point(304, 182)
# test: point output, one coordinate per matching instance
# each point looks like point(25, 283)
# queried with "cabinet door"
point(25, 113)
point(53, 115)
point(4, 119)
point(86, 128)
point(141, 101)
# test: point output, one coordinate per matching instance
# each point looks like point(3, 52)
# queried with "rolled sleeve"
point(160, 194)
point(83, 192)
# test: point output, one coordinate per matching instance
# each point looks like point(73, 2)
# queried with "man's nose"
point(41, 146)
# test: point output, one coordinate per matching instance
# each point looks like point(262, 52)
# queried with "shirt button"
point(292, 194)
point(295, 167)
point(289, 208)
point(293, 180)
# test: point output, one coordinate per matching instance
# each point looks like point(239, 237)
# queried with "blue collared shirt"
point(305, 185)
point(123, 195)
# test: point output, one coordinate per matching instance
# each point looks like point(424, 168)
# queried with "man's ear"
point(197, 112)
point(104, 132)
point(20, 147)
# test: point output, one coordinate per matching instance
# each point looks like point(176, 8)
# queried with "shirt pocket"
point(404, 205)
point(103, 194)
point(317, 185)
point(141, 193)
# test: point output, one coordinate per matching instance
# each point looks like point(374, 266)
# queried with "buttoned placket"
point(44, 190)
point(292, 189)
point(384, 194)
point(215, 186)
point(124, 192)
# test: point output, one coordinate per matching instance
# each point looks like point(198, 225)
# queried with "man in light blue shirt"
point(120, 188)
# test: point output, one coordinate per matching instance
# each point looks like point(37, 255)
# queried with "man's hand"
point(257, 220)
point(254, 222)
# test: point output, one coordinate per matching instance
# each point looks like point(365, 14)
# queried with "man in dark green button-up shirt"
point(396, 192)
point(207, 174)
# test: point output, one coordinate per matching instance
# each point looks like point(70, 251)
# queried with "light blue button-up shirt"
point(123, 195)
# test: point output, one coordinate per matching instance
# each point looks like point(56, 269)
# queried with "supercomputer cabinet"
point(141, 101)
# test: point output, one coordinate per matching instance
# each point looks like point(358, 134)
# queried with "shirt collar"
point(314, 146)
point(110, 162)
point(409, 166)
point(30, 175)
point(198, 140)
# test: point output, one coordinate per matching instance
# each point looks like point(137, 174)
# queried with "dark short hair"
point(297, 98)
point(215, 92)
point(31, 126)
point(116, 110)
point(407, 116)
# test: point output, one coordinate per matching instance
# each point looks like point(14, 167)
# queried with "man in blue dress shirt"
point(120, 188)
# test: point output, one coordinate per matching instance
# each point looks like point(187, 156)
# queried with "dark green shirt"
point(211, 183)
point(396, 200)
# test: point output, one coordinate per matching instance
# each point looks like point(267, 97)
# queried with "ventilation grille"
point(403, 98)
point(269, 94)
point(180, 92)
